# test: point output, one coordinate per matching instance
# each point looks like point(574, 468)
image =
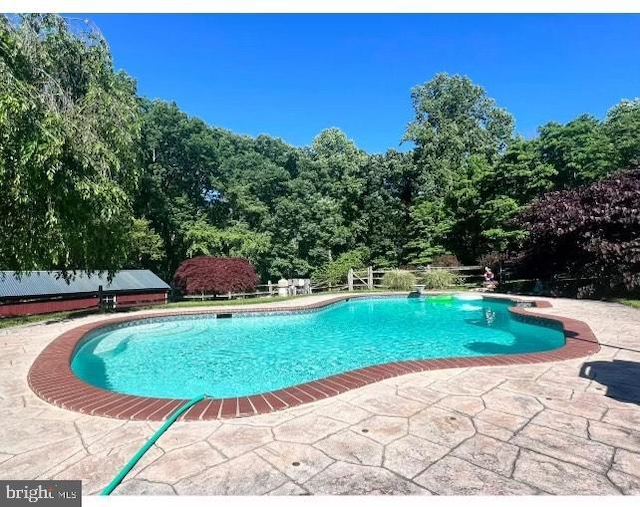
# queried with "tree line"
point(93, 176)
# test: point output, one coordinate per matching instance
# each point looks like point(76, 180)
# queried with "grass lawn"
point(633, 303)
point(31, 319)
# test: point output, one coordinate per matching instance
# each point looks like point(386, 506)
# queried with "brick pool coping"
point(51, 378)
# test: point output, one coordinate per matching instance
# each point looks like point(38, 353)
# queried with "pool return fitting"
point(132, 462)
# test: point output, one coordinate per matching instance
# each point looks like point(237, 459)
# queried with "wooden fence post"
point(370, 277)
point(350, 279)
point(100, 299)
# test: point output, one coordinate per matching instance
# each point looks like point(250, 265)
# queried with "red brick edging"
point(51, 378)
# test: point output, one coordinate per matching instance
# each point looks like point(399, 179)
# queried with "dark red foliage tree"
point(590, 233)
point(215, 275)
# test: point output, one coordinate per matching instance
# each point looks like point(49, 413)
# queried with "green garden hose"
point(132, 462)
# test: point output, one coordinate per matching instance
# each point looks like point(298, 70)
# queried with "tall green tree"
point(454, 119)
point(519, 177)
point(181, 177)
point(463, 203)
point(337, 167)
point(308, 229)
point(384, 203)
point(146, 249)
point(622, 128)
point(430, 227)
point(69, 127)
point(579, 151)
point(455, 123)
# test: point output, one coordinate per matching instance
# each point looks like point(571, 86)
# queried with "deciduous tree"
point(590, 233)
point(69, 127)
point(215, 275)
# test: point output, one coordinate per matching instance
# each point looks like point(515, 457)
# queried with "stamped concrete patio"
point(568, 427)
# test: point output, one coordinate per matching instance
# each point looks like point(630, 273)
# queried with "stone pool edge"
point(51, 379)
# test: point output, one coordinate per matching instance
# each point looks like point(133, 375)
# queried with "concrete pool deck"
point(568, 427)
point(52, 379)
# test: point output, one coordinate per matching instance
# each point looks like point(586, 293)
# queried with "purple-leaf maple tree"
point(215, 275)
point(590, 233)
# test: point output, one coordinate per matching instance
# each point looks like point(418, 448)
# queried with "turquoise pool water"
point(240, 356)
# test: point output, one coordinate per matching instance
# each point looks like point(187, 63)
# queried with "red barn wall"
point(15, 309)
point(47, 306)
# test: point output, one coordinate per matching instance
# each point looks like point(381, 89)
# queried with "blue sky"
point(290, 76)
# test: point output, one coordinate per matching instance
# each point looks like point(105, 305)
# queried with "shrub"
point(446, 261)
point(336, 271)
point(590, 234)
point(440, 279)
point(398, 279)
point(215, 275)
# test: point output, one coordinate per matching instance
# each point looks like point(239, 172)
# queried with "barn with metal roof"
point(47, 291)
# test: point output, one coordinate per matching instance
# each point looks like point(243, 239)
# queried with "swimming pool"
point(183, 356)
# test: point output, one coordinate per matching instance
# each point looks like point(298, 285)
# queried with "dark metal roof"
point(46, 283)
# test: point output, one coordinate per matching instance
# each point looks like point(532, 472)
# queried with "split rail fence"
point(269, 289)
point(371, 279)
point(366, 279)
